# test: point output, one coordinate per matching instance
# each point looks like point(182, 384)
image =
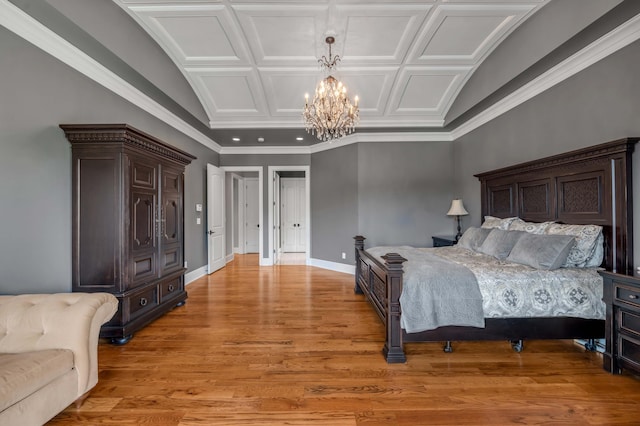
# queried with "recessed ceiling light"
point(299, 138)
point(260, 139)
point(236, 139)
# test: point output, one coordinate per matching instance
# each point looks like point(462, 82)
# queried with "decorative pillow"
point(496, 222)
point(542, 251)
point(499, 243)
point(597, 256)
point(585, 247)
point(531, 227)
point(473, 238)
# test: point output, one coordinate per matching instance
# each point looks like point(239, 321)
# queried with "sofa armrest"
point(32, 322)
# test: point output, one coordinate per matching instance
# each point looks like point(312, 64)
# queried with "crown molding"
point(297, 123)
point(393, 137)
point(606, 45)
point(23, 25)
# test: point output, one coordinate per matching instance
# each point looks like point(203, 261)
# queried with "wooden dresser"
point(128, 230)
point(622, 298)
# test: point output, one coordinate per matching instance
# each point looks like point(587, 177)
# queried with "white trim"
point(228, 258)
point(333, 266)
point(190, 277)
point(307, 182)
point(22, 24)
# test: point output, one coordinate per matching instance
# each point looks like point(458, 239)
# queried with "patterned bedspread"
point(518, 291)
point(513, 290)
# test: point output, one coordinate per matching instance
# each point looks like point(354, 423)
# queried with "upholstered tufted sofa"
point(48, 352)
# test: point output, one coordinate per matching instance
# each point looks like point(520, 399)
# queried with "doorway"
point(238, 223)
point(289, 215)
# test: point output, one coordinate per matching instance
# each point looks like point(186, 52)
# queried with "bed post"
point(392, 350)
point(359, 246)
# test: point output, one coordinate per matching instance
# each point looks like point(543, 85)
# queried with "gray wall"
point(597, 105)
point(38, 93)
point(334, 203)
point(404, 192)
point(391, 193)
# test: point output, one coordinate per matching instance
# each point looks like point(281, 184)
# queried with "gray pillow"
point(473, 238)
point(499, 243)
point(542, 251)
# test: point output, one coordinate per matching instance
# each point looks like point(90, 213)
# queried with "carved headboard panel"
point(586, 186)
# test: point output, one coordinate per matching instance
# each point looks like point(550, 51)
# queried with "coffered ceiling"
point(251, 62)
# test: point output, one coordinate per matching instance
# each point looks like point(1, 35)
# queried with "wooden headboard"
point(587, 186)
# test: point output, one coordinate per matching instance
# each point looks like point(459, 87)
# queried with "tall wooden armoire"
point(128, 227)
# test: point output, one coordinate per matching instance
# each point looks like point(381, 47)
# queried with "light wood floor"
point(294, 345)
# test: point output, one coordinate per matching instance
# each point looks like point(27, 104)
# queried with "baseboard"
point(229, 258)
point(190, 277)
point(333, 266)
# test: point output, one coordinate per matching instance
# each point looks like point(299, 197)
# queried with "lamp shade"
point(457, 208)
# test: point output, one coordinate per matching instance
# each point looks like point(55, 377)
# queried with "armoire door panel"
point(143, 269)
point(96, 225)
point(143, 175)
point(143, 223)
point(171, 181)
point(171, 220)
point(171, 258)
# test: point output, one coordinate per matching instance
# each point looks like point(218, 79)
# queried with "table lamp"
point(457, 209)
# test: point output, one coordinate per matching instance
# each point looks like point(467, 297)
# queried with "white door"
point(252, 220)
point(215, 218)
point(277, 237)
point(292, 193)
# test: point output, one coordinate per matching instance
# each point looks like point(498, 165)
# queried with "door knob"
point(211, 232)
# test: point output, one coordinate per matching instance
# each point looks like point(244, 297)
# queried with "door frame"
point(237, 213)
point(259, 169)
point(307, 183)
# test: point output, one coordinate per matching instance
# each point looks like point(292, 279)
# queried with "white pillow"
point(530, 227)
point(585, 252)
point(496, 222)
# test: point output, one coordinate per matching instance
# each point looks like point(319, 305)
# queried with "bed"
point(590, 186)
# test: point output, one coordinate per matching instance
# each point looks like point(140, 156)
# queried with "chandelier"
point(330, 115)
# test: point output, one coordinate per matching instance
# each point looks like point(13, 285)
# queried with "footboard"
point(382, 284)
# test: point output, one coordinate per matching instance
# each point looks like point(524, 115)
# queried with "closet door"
point(292, 193)
point(301, 229)
point(143, 204)
point(252, 219)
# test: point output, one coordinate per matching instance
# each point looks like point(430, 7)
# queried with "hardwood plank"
point(294, 345)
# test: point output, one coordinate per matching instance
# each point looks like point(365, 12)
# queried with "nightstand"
point(621, 294)
point(444, 241)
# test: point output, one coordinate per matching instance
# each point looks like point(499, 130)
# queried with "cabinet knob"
point(633, 296)
point(170, 287)
point(143, 301)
